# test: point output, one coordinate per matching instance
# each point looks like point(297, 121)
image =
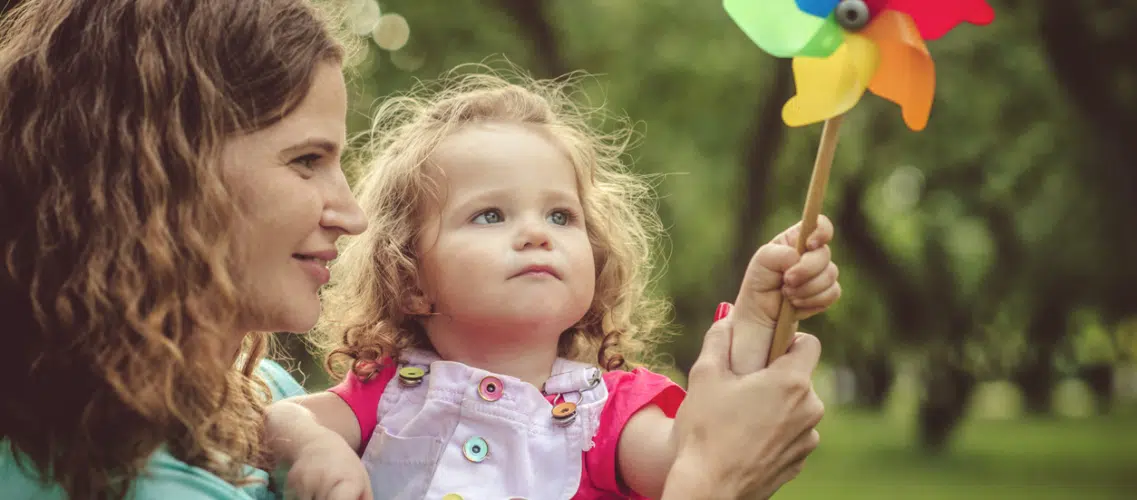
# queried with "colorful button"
point(476, 449)
point(490, 389)
point(564, 413)
point(411, 375)
point(452, 496)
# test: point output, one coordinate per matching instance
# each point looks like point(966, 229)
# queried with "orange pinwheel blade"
point(827, 87)
point(906, 75)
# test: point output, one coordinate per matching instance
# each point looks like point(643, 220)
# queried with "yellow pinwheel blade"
point(827, 87)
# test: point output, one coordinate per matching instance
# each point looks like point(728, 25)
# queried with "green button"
point(476, 449)
point(411, 373)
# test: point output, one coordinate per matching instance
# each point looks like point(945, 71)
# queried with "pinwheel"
point(840, 48)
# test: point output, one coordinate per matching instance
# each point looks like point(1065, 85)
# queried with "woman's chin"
point(298, 321)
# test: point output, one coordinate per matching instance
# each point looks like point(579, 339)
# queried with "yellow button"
point(564, 414)
point(564, 410)
point(452, 496)
point(411, 372)
point(411, 376)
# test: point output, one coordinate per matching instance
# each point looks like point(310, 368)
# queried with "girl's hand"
point(808, 280)
point(777, 273)
point(327, 469)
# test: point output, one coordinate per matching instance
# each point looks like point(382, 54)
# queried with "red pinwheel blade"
point(935, 18)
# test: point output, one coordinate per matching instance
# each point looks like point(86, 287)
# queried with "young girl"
point(485, 313)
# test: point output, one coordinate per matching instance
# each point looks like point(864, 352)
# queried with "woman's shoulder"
point(20, 480)
point(279, 381)
point(168, 477)
point(164, 476)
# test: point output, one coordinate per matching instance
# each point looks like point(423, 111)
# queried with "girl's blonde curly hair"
point(369, 308)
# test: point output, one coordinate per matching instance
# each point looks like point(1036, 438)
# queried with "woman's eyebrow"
point(326, 145)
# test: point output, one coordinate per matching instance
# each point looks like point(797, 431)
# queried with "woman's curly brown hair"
point(369, 311)
point(116, 242)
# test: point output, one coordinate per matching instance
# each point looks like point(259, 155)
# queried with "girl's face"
point(507, 253)
point(295, 203)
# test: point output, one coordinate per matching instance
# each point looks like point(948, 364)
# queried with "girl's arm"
point(646, 450)
point(316, 438)
point(292, 423)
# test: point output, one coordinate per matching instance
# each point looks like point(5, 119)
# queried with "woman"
point(171, 182)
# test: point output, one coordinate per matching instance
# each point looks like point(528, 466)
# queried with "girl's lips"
point(538, 270)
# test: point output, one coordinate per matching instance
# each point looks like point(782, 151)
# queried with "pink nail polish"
point(722, 311)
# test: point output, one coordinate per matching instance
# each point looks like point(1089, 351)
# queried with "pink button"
point(490, 389)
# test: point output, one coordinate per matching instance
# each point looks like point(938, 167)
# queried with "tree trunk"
point(761, 155)
point(947, 393)
point(1035, 379)
point(759, 158)
point(1048, 325)
point(1099, 378)
point(534, 24)
point(873, 378)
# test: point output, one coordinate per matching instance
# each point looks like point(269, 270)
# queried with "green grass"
point(872, 456)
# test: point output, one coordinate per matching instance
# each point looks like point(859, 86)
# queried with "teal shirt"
point(165, 477)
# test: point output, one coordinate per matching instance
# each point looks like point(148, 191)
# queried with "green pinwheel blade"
point(780, 28)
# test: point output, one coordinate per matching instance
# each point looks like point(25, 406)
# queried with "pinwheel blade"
point(936, 18)
point(780, 28)
point(906, 74)
point(825, 41)
point(833, 85)
point(819, 8)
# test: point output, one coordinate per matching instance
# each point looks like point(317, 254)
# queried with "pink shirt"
point(628, 392)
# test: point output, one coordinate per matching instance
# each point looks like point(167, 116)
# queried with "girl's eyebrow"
point(553, 195)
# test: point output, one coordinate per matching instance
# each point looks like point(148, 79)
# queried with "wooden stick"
point(786, 326)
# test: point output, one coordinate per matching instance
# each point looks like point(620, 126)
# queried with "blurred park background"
point(986, 342)
point(985, 346)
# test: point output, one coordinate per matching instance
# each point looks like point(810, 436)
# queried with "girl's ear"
point(418, 304)
point(417, 301)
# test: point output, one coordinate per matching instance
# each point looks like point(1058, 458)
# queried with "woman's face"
point(296, 202)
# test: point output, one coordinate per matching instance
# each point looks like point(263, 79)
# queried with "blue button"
point(476, 449)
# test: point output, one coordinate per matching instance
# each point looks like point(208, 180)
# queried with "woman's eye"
point(307, 161)
point(491, 216)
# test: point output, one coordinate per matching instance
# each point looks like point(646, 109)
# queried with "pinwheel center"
point(852, 14)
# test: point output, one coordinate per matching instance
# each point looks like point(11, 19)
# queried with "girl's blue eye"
point(560, 217)
point(491, 216)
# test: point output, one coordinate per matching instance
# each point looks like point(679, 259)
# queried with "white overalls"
point(476, 435)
